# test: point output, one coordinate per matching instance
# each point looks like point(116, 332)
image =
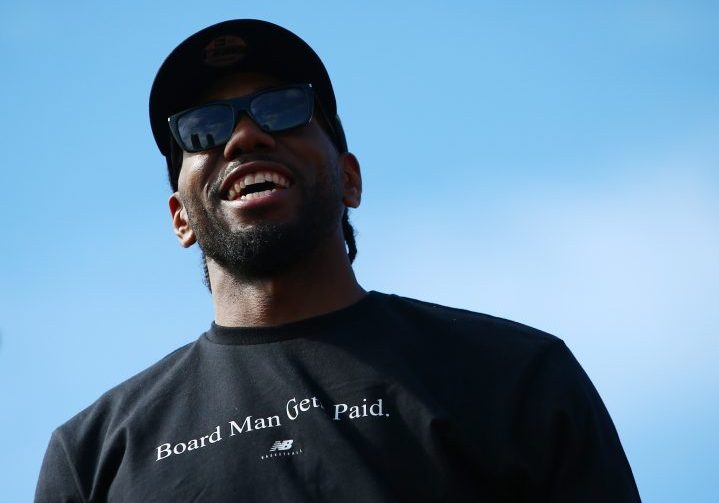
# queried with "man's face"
point(252, 229)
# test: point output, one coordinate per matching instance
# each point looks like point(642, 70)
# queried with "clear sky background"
point(555, 163)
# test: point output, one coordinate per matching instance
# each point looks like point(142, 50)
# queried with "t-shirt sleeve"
point(573, 436)
point(58, 479)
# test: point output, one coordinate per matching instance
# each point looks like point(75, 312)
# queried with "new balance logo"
point(281, 448)
point(281, 445)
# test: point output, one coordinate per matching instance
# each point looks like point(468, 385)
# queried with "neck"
point(323, 282)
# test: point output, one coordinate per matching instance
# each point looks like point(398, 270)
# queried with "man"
point(306, 387)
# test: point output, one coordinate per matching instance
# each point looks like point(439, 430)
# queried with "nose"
point(247, 137)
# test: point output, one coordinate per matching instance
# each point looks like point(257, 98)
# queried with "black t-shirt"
point(389, 399)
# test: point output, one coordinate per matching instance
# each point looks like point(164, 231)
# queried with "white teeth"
point(253, 178)
point(255, 195)
point(264, 176)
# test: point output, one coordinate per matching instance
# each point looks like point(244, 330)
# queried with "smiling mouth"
point(258, 184)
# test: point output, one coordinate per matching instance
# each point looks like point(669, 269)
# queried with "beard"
point(266, 249)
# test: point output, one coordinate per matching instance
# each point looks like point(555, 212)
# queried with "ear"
point(351, 180)
point(180, 224)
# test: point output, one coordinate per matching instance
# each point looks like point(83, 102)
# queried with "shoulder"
point(113, 408)
point(486, 353)
point(443, 324)
point(98, 434)
point(498, 364)
point(514, 389)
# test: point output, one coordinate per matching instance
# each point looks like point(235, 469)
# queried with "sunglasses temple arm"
point(340, 134)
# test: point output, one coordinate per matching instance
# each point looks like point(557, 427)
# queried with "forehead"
point(238, 84)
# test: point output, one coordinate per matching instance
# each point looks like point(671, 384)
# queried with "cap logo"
point(225, 51)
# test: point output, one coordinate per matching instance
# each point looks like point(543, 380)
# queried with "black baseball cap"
point(238, 45)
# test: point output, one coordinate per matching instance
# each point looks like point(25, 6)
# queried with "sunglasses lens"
point(282, 109)
point(206, 127)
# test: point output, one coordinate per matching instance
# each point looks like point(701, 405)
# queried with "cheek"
point(195, 168)
point(314, 147)
point(194, 162)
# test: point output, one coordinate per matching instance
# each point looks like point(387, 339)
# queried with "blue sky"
point(555, 164)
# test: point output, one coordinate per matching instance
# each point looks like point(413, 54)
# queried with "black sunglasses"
point(273, 110)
